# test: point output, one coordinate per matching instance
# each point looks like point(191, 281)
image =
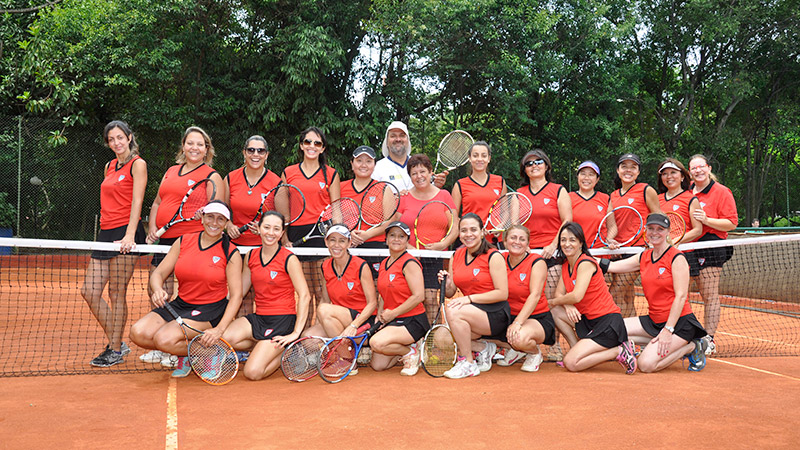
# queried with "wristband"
point(604, 264)
point(670, 329)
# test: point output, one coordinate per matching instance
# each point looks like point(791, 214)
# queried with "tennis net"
point(49, 329)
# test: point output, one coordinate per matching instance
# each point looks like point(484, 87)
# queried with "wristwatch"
point(670, 329)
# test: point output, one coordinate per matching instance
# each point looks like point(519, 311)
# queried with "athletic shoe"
point(182, 367)
point(532, 362)
point(710, 345)
point(364, 357)
point(354, 371)
point(485, 356)
point(697, 358)
point(242, 356)
point(410, 362)
point(108, 358)
point(153, 356)
point(512, 356)
point(124, 349)
point(626, 358)
point(555, 353)
point(463, 369)
point(169, 361)
point(500, 355)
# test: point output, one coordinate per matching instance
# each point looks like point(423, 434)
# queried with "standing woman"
point(209, 272)
point(717, 213)
point(531, 321)
point(121, 197)
point(478, 270)
point(584, 310)
point(675, 196)
point(320, 185)
point(349, 299)
point(589, 206)
point(477, 192)
point(276, 275)
point(246, 188)
point(363, 166)
point(402, 288)
point(552, 208)
point(643, 198)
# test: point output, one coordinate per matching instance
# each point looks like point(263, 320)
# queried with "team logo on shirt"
point(263, 196)
point(600, 208)
point(675, 207)
point(661, 270)
point(273, 274)
point(630, 201)
point(475, 272)
point(496, 191)
point(522, 277)
point(350, 285)
point(267, 332)
point(702, 261)
point(391, 277)
point(372, 199)
point(215, 259)
point(702, 204)
point(190, 182)
point(196, 312)
point(121, 177)
point(573, 282)
point(546, 201)
point(321, 185)
point(376, 266)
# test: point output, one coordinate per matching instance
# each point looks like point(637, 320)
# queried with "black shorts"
point(354, 313)
point(499, 315)
point(211, 312)
point(701, 258)
point(297, 232)
point(158, 257)
point(545, 319)
point(267, 327)
point(687, 328)
point(417, 325)
point(608, 330)
point(373, 261)
point(115, 234)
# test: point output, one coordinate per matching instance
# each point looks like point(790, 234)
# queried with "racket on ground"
point(216, 363)
point(299, 359)
point(454, 150)
point(379, 203)
point(612, 220)
point(196, 197)
point(287, 199)
point(339, 356)
point(510, 209)
point(433, 223)
point(677, 227)
point(439, 351)
point(344, 211)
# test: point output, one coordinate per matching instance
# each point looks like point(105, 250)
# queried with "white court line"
point(172, 416)
point(754, 369)
point(757, 339)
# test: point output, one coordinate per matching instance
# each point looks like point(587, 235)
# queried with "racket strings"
point(439, 352)
point(299, 361)
point(454, 149)
point(510, 209)
point(215, 364)
point(337, 358)
point(195, 200)
point(379, 203)
point(433, 222)
point(287, 200)
point(344, 211)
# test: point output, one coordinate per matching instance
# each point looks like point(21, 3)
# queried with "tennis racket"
point(379, 203)
point(299, 359)
point(216, 363)
point(344, 211)
point(439, 351)
point(454, 150)
point(433, 223)
point(618, 215)
point(196, 197)
point(339, 356)
point(511, 209)
point(287, 199)
point(677, 227)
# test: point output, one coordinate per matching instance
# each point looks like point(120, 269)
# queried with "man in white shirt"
point(396, 149)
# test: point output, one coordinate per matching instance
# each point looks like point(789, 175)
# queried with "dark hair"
point(419, 160)
point(576, 231)
point(273, 213)
point(618, 180)
point(209, 159)
point(536, 153)
point(323, 160)
point(484, 245)
point(258, 138)
point(708, 163)
point(685, 173)
point(481, 144)
point(126, 130)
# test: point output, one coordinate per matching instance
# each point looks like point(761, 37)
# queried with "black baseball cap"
point(658, 219)
point(401, 225)
point(364, 149)
point(629, 157)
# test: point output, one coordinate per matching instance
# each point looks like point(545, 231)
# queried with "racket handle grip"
point(243, 228)
point(299, 242)
point(161, 231)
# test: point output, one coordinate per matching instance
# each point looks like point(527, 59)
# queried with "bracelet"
point(353, 326)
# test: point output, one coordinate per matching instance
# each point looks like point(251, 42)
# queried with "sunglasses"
point(534, 162)
point(317, 144)
point(253, 150)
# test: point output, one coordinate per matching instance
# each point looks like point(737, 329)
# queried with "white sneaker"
point(410, 362)
point(463, 369)
point(532, 362)
point(153, 356)
point(711, 346)
point(169, 361)
point(485, 356)
point(353, 372)
point(512, 356)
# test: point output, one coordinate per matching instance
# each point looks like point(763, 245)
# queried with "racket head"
point(454, 149)
point(299, 359)
point(512, 208)
point(379, 203)
point(337, 358)
point(343, 211)
point(677, 226)
point(196, 198)
point(433, 223)
point(621, 214)
point(216, 364)
point(439, 351)
point(288, 200)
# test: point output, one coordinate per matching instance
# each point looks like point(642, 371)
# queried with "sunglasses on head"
point(317, 144)
point(534, 162)
point(253, 150)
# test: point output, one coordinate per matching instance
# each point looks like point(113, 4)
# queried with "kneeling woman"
point(348, 296)
point(209, 269)
point(402, 289)
point(531, 321)
point(584, 310)
point(670, 328)
point(479, 271)
point(275, 274)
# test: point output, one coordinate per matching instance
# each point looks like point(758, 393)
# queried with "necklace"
point(251, 186)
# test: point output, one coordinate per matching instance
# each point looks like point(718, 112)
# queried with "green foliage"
point(8, 213)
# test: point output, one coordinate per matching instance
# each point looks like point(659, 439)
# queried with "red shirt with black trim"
point(477, 198)
point(627, 222)
point(597, 301)
point(345, 289)
point(519, 285)
point(201, 271)
point(679, 205)
point(657, 284)
point(271, 282)
point(392, 284)
point(245, 200)
point(545, 219)
point(349, 191)
point(410, 207)
point(173, 188)
point(116, 194)
point(718, 203)
point(588, 212)
point(315, 188)
point(473, 277)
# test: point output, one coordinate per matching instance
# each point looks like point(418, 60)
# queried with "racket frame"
point(323, 225)
point(424, 356)
point(611, 214)
point(179, 212)
point(441, 146)
point(310, 363)
point(392, 188)
point(362, 336)
point(419, 244)
point(493, 228)
point(271, 193)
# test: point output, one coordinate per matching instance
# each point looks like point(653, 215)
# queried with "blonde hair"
point(519, 227)
point(209, 158)
point(703, 157)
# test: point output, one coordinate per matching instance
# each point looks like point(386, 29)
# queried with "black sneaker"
point(108, 358)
